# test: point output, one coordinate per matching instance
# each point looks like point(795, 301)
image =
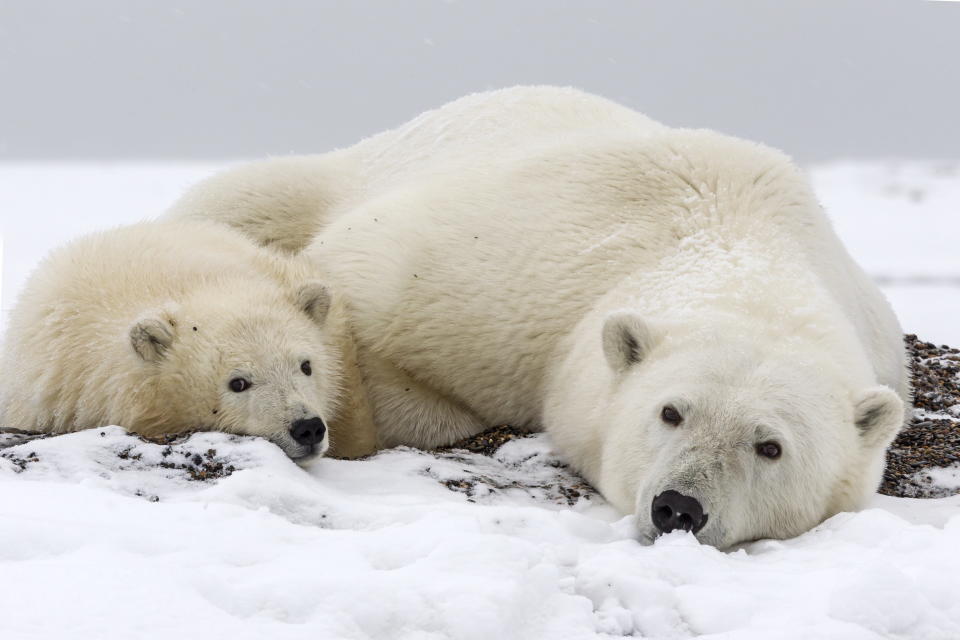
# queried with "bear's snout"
point(672, 510)
point(308, 432)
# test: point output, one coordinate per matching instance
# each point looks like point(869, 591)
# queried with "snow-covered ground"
point(99, 541)
point(103, 535)
point(900, 221)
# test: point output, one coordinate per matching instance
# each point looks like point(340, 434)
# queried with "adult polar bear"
point(671, 305)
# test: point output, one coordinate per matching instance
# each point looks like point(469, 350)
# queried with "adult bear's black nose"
point(673, 510)
point(309, 431)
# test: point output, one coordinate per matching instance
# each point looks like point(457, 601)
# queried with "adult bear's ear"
point(314, 299)
point(151, 337)
point(878, 416)
point(626, 340)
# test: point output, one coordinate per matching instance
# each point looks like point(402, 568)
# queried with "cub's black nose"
point(309, 431)
point(673, 510)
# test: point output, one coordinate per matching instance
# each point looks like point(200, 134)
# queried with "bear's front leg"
point(408, 412)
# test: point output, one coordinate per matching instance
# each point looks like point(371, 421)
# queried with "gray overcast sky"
point(235, 78)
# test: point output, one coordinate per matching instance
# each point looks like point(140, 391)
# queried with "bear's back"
point(512, 250)
point(67, 340)
point(114, 272)
point(486, 127)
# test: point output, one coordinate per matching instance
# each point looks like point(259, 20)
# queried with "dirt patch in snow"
point(931, 442)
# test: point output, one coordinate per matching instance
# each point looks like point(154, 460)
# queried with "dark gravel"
point(487, 442)
point(932, 439)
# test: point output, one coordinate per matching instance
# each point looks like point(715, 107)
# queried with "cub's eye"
point(305, 367)
point(671, 416)
point(238, 385)
point(769, 449)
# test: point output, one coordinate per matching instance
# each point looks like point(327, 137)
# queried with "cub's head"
point(250, 362)
point(735, 439)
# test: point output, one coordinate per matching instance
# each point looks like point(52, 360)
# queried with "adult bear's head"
point(736, 437)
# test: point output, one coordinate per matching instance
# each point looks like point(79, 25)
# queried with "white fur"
point(487, 246)
point(144, 326)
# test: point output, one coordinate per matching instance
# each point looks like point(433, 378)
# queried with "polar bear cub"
point(671, 305)
point(167, 327)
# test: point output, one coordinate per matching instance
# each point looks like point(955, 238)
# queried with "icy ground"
point(103, 535)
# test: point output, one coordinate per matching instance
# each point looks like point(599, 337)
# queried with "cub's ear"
point(314, 299)
point(626, 340)
point(878, 416)
point(151, 337)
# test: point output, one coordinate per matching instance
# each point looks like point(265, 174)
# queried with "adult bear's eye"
point(671, 416)
point(239, 384)
point(769, 449)
point(305, 367)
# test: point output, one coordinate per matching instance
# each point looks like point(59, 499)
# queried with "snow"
point(947, 478)
point(900, 221)
point(98, 540)
point(105, 535)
